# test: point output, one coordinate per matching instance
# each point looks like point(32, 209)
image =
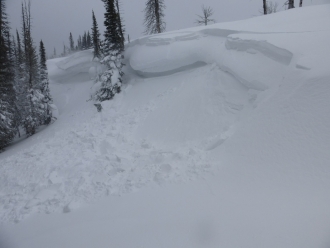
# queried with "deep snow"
point(220, 138)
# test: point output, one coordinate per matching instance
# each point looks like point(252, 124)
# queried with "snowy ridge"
point(280, 55)
point(202, 48)
point(246, 102)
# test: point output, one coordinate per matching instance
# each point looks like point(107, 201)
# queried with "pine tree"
point(88, 41)
point(290, 4)
point(112, 35)
point(264, 2)
point(113, 47)
point(71, 42)
point(7, 93)
point(301, 3)
point(154, 17)
point(84, 41)
point(15, 51)
point(20, 84)
point(64, 50)
point(96, 38)
point(47, 100)
point(19, 53)
point(33, 116)
point(79, 41)
point(269, 7)
point(31, 58)
point(121, 29)
point(14, 72)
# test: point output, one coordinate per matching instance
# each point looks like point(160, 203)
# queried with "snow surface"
point(220, 138)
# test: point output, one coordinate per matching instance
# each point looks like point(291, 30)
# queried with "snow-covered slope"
point(231, 120)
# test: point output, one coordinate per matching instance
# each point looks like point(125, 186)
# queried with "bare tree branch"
point(204, 19)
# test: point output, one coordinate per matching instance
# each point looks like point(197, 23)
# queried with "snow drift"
point(247, 102)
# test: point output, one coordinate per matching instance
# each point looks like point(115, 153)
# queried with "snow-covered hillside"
point(220, 138)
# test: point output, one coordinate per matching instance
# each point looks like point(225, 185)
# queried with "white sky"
point(53, 20)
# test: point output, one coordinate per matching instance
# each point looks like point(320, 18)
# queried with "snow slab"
point(220, 138)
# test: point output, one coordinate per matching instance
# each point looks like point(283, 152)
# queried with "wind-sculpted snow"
point(162, 55)
point(78, 62)
point(193, 87)
point(241, 109)
point(167, 54)
point(171, 71)
point(75, 64)
point(252, 46)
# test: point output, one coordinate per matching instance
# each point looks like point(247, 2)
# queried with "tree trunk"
point(265, 7)
point(291, 4)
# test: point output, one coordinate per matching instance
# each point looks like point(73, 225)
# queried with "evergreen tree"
point(301, 3)
point(54, 55)
point(7, 93)
point(31, 58)
point(154, 17)
point(88, 41)
point(64, 50)
point(79, 41)
point(120, 24)
point(112, 35)
point(264, 4)
point(19, 53)
point(22, 102)
point(15, 50)
point(96, 38)
point(14, 72)
point(71, 42)
point(84, 41)
point(47, 100)
point(111, 80)
point(290, 4)
point(35, 111)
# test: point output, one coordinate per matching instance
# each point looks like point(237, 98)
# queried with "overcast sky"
point(53, 20)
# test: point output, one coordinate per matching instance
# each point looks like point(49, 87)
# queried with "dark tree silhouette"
point(34, 116)
point(96, 38)
point(290, 4)
point(205, 18)
point(113, 47)
point(44, 83)
point(7, 93)
point(154, 17)
point(71, 42)
point(120, 24)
